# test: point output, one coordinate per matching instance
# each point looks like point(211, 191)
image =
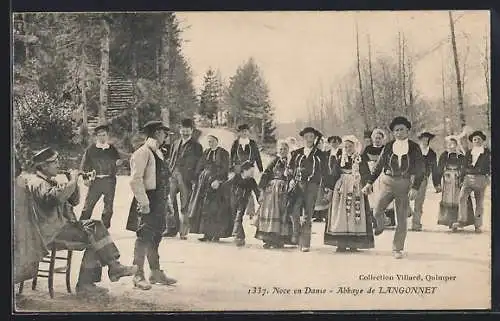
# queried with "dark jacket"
point(185, 158)
point(251, 153)
point(308, 169)
point(482, 166)
point(412, 165)
point(431, 167)
point(217, 161)
point(103, 161)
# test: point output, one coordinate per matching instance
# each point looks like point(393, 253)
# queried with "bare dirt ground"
point(223, 277)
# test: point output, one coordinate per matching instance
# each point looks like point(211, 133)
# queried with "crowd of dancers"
point(179, 188)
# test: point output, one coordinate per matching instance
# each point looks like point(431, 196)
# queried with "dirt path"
point(220, 276)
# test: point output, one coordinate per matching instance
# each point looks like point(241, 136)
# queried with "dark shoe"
point(279, 245)
point(239, 242)
point(304, 249)
point(90, 290)
point(140, 283)
point(478, 230)
point(266, 245)
point(416, 229)
point(158, 276)
point(353, 249)
point(117, 271)
point(341, 249)
point(183, 237)
point(170, 233)
point(215, 239)
point(203, 239)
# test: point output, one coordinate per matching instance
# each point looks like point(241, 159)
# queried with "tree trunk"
point(82, 84)
point(371, 74)
point(486, 66)
point(135, 112)
point(103, 86)
point(363, 107)
point(457, 72)
point(443, 97)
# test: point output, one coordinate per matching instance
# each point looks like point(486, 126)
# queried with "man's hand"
point(367, 189)
point(237, 169)
point(231, 175)
point(119, 162)
point(143, 208)
point(215, 184)
point(412, 194)
point(438, 189)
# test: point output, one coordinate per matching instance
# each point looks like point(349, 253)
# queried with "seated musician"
point(53, 207)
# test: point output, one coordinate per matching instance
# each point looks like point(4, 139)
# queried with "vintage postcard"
point(246, 161)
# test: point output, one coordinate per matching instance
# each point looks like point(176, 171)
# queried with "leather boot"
point(158, 276)
point(117, 270)
point(141, 283)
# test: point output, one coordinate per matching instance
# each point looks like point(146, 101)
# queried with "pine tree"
point(210, 96)
point(248, 98)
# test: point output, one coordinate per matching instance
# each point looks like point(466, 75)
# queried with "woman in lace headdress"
point(273, 224)
point(451, 167)
point(349, 222)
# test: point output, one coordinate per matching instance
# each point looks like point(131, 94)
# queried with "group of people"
point(179, 189)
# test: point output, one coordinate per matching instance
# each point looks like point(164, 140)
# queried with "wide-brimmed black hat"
point(187, 123)
point(400, 120)
point(103, 126)
point(310, 130)
point(45, 155)
point(426, 135)
point(335, 139)
point(154, 125)
point(242, 127)
point(477, 133)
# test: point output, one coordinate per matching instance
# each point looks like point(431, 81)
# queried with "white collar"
point(333, 151)
point(102, 146)
point(244, 141)
point(184, 141)
point(425, 151)
point(477, 150)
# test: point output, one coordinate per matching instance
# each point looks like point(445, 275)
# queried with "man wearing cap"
point(53, 204)
point(477, 173)
point(404, 168)
point(308, 165)
point(431, 168)
point(147, 218)
point(103, 158)
point(185, 154)
point(367, 138)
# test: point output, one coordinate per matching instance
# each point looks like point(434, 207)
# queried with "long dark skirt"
point(448, 207)
point(273, 225)
point(210, 209)
point(349, 221)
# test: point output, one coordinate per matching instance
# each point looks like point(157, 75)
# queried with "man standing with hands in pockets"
point(403, 165)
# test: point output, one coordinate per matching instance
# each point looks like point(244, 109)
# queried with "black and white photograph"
point(249, 161)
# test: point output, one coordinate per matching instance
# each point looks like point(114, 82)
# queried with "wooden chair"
point(53, 269)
